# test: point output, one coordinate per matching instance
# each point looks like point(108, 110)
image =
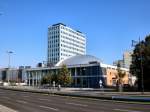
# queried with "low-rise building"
point(85, 70)
point(112, 74)
point(126, 61)
point(13, 74)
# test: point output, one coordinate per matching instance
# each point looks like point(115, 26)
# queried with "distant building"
point(64, 42)
point(127, 59)
point(120, 62)
point(13, 74)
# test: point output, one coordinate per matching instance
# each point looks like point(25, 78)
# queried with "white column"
point(32, 78)
point(75, 77)
point(35, 78)
point(29, 77)
point(40, 78)
point(75, 72)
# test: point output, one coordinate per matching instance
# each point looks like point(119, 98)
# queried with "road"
point(34, 102)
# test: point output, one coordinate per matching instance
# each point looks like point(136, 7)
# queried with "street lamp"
point(141, 63)
point(9, 53)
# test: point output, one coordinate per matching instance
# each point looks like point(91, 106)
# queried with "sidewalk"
point(87, 93)
point(6, 109)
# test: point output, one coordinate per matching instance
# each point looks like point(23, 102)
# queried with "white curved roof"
point(77, 60)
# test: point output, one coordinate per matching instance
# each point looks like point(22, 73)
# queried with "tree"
point(140, 66)
point(46, 79)
point(120, 75)
point(64, 77)
point(54, 78)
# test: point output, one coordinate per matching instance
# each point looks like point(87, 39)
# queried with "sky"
point(110, 26)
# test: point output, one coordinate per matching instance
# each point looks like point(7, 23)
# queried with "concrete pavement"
point(6, 109)
point(34, 102)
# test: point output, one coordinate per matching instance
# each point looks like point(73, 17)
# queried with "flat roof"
point(58, 67)
point(66, 26)
point(58, 24)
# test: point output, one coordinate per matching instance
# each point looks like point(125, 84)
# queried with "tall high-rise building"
point(126, 61)
point(127, 58)
point(64, 42)
point(120, 62)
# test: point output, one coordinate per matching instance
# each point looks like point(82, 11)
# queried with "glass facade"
point(86, 77)
point(82, 76)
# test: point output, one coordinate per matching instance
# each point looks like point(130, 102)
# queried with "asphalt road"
point(35, 102)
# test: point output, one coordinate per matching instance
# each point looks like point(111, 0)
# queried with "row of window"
point(71, 31)
point(56, 35)
point(53, 59)
point(53, 32)
point(53, 50)
point(73, 49)
point(69, 51)
point(53, 54)
point(51, 46)
point(63, 54)
point(62, 58)
point(70, 43)
point(53, 40)
point(53, 28)
point(73, 40)
point(70, 35)
point(53, 37)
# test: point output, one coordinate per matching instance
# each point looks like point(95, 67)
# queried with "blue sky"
point(110, 25)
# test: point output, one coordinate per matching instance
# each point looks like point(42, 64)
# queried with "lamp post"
point(9, 53)
point(141, 62)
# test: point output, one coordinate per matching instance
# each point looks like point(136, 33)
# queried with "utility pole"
point(141, 62)
point(141, 65)
point(9, 53)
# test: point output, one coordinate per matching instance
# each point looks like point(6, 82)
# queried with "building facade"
point(126, 61)
point(112, 74)
point(64, 42)
point(120, 62)
point(127, 58)
point(85, 70)
point(16, 75)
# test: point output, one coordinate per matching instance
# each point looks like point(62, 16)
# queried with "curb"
point(131, 98)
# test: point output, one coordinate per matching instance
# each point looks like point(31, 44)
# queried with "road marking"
point(77, 104)
point(13, 94)
point(6, 97)
point(124, 110)
point(25, 96)
point(6, 109)
point(55, 109)
point(19, 101)
point(44, 99)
